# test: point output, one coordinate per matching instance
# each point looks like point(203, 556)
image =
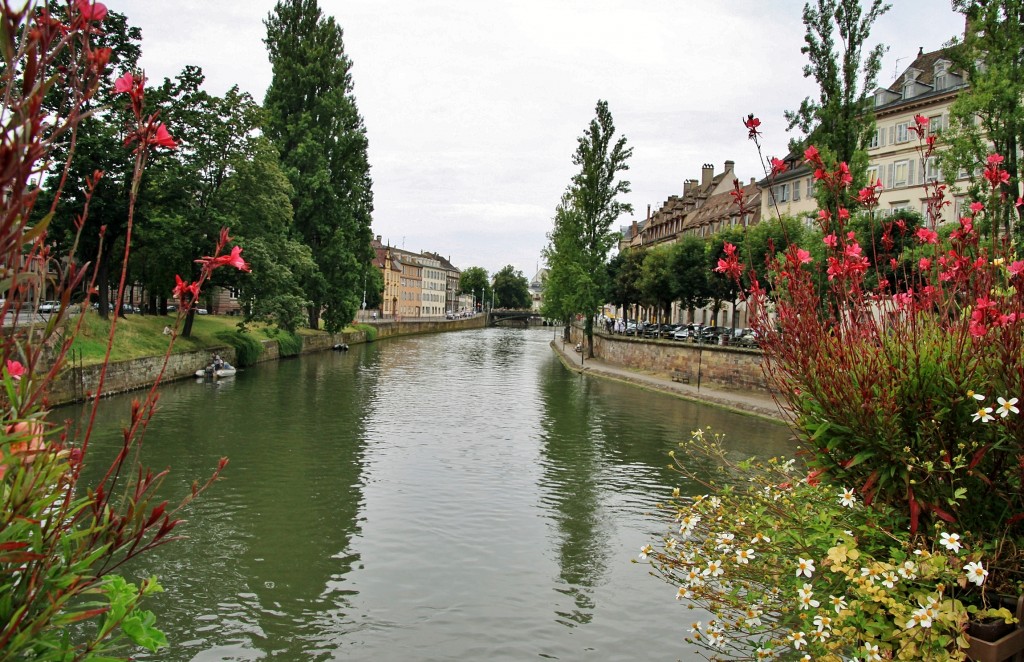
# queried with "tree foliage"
point(624, 277)
point(475, 281)
point(989, 115)
point(840, 122)
point(511, 289)
point(313, 121)
point(582, 235)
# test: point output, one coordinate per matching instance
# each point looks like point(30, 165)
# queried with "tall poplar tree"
point(840, 122)
point(313, 121)
point(582, 236)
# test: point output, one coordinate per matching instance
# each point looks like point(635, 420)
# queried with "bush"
point(288, 343)
point(782, 561)
point(369, 330)
point(247, 348)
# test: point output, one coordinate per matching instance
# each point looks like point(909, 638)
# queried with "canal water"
point(457, 496)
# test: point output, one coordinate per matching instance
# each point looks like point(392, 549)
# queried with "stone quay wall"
point(78, 383)
point(719, 366)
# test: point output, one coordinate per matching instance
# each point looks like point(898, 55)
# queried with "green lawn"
point(139, 336)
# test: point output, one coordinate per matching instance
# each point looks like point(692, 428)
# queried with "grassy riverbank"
point(139, 336)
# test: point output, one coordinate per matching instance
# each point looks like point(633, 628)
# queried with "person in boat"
point(218, 363)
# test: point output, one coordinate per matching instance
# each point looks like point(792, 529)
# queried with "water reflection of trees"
point(606, 448)
point(272, 539)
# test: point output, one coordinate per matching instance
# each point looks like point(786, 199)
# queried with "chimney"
point(633, 234)
point(378, 239)
point(707, 173)
point(648, 211)
point(753, 180)
point(729, 165)
point(686, 187)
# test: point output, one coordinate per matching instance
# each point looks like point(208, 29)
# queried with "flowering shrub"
point(62, 543)
point(783, 562)
point(906, 390)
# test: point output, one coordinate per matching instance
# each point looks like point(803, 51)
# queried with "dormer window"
point(941, 74)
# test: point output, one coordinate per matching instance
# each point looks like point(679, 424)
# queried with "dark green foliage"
point(511, 289)
point(247, 348)
point(368, 329)
point(313, 121)
point(288, 344)
point(840, 122)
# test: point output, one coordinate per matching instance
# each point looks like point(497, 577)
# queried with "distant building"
point(537, 289)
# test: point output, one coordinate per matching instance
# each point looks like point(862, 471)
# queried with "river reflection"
point(454, 496)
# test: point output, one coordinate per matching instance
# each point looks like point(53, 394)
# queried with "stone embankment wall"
point(721, 366)
point(78, 383)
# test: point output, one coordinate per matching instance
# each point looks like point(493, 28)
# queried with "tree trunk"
point(588, 331)
point(186, 331)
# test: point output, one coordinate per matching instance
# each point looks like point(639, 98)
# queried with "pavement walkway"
point(744, 402)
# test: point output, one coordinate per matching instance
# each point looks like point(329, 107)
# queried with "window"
point(874, 142)
point(902, 132)
point(932, 169)
point(901, 173)
point(936, 123)
point(810, 187)
point(796, 190)
point(782, 192)
point(874, 174)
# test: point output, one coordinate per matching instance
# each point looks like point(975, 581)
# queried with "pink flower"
point(831, 241)
point(924, 264)
point(920, 125)
point(778, 166)
point(926, 236)
point(125, 83)
point(162, 138)
point(181, 289)
point(994, 173)
point(752, 123)
point(803, 256)
point(976, 207)
point(812, 156)
point(15, 369)
point(235, 259)
point(91, 11)
point(1016, 268)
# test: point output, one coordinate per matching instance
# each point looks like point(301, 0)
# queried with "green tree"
point(99, 146)
point(624, 279)
point(690, 271)
point(657, 282)
point(722, 288)
point(313, 120)
point(474, 280)
point(989, 114)
point(511, 289)
point(256, 199)
point(582, 236)
point(840, 123)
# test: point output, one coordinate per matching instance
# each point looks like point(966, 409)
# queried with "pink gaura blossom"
point(162, 138)
point(977, 207)
point(812, 156)
point(91, 11)
point(15, 369)
point(831, 240)
point(181, 288)
point(752, 123)
point(778, 166)
point(233, 259)
point(924, 264)
point(920, 125)
point(927, 236)
point(994, 172)
point(1016, 268)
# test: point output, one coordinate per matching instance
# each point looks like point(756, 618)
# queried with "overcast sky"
point(473, 107)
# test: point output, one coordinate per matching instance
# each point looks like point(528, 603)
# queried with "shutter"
point(889, 176)
point(892, 135)
point(881, 137)
point(911, 169)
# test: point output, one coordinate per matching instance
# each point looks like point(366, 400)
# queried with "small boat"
point(226, 370)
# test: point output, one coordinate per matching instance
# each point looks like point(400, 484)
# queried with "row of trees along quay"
point(895, 345)
point(986, 117)
point(290, 178)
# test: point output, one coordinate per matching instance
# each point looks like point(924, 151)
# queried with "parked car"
point(49, 307)
point(631, 329)
point(710, 334)
point(685, 332)
point(748, 339)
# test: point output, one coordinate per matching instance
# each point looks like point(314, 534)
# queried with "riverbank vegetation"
point(896, 347)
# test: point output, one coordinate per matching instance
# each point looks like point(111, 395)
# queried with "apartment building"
point(927, 88)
